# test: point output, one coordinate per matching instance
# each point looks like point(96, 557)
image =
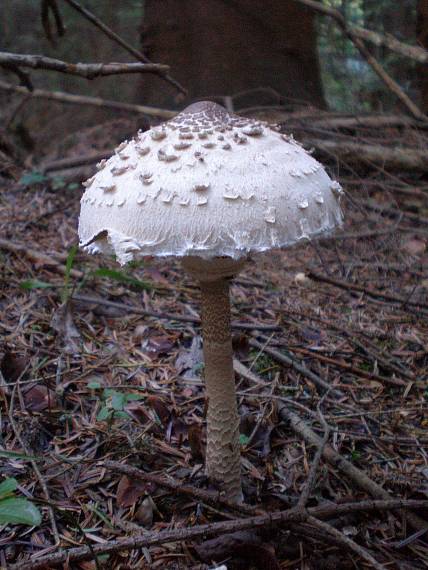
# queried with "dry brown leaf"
point(129, 491)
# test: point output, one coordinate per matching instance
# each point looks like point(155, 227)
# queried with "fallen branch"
point(362, 121)
point(87, 70)
point(211, 497)
point(346, 467)
point(182, 534)
point(38, 257)
point(116, 38)
point(289, 361)
point(341, 538)
point(416, 53)
point(167, 316)
point(42, 482)
point(392, 85)
point(66, 163)
point(399, 158)
point(46, 7)
point(85, 100)
point(347, 286)
point(350, 368)
point(310, 481)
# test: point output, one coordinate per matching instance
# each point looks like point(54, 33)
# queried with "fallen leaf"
point(144, 514)
point(156, 345)
point(190, 358)
point(129, 491)
point(38, 398)
point(246, 545)
point(12, 366)
point(197, 447)
point(161, 409)
point(63, 324)
point(414, 246)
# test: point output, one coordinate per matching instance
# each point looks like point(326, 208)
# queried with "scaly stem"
point(223, 459)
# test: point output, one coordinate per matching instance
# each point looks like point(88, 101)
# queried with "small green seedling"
point(16, 510)
point(113, 403)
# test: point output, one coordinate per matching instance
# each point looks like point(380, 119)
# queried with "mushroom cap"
point(206, 184)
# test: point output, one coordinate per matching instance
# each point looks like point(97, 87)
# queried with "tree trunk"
point(223, 47)
point(422, 37)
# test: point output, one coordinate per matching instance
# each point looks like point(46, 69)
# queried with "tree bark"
point(422, 37)
point(223, 47)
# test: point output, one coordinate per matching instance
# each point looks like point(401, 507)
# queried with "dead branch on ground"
point(86, 70)
point(125, 45)
point(182, 534)
point(68, 98)
point(391, 84)
point(334, 458)
point(48, 6)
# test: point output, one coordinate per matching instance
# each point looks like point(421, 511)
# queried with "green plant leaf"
point(68, 267)
point(58, 182)
point(16, 455)
point(118, 401)
point(34, 284)
point(122, 415)
point(7, 487)
point(30, 178)
point(104, 414)
point(133, 397)
point(94, 385)
point(243, 439)
point(17, 510)
point(122, 278)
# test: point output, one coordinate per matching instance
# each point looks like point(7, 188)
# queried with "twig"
point(359, 44)
point(38, 257)
point(369, 292)
point(331, 120)
point(33, 463)
point(86, 70)
point(116, 38)
point(46, 7)
point(416, 53)
point(369, 122)
point(353, 369)
point(346, 541)
point(290, 361)
point(263, 411)
point(74, 162)
point(86, 100)
point(167, 316)
point(205, 530)
point(211, 497)
point(310, 482)
point(23, 76)
point(356, 475)
point(397, 157)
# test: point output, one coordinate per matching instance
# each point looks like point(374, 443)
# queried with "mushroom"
point(237, 186)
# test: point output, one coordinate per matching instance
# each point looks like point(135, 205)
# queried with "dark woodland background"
point(278, 48)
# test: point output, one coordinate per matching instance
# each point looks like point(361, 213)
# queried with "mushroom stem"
point(223, 459)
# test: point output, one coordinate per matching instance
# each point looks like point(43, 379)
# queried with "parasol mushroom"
point(210, 188)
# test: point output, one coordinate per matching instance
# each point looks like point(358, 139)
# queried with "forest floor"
point(103, 364)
